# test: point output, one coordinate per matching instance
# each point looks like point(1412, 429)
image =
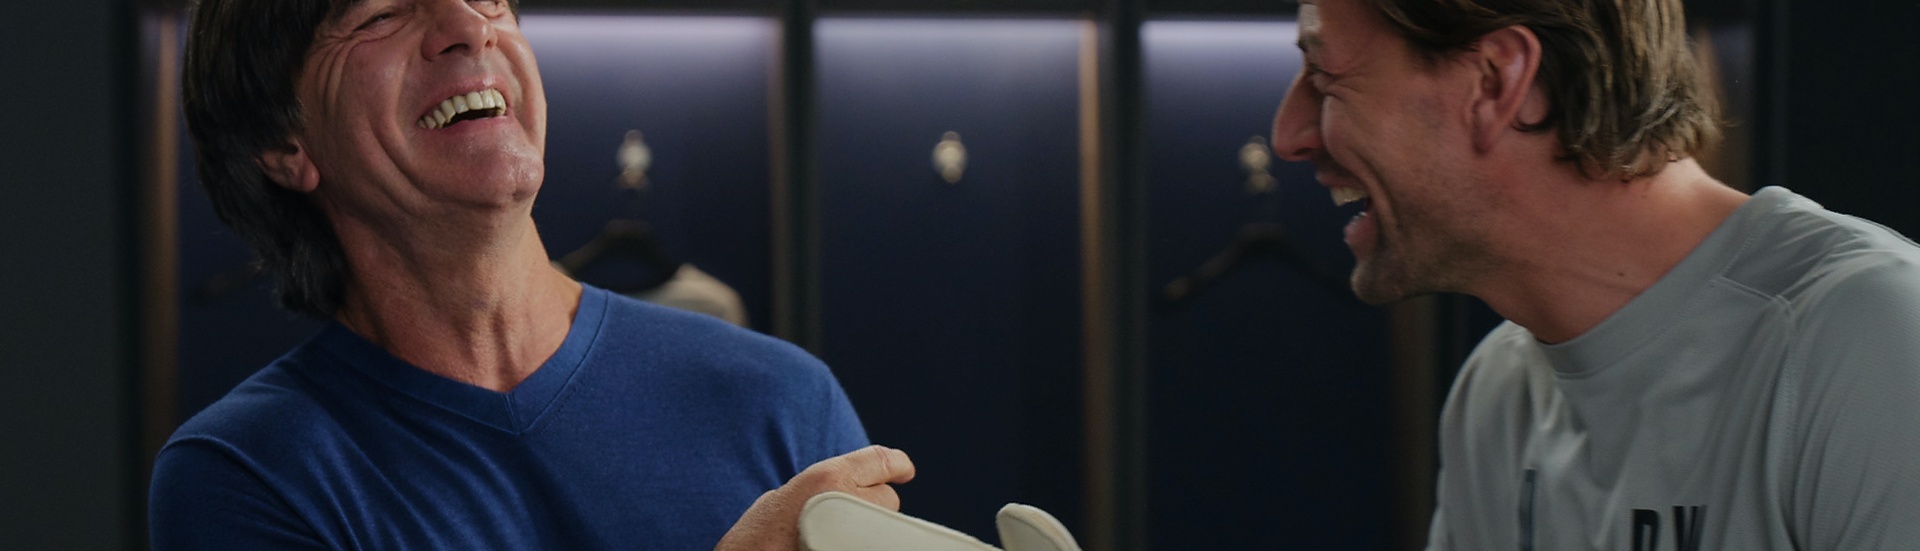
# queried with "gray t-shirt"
point(1764, 394)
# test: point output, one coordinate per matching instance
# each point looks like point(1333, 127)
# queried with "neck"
point(1582, 249)
point(476, 303)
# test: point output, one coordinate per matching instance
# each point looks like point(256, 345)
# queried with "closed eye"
point(374, 20)
point(1315, 76)
point(1313, 69)
point(489, 7)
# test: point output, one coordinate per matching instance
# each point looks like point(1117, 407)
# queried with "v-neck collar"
point(515, 411)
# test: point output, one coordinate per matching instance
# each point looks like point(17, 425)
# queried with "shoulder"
point(1849, 296)
point(1806, 256)
point(1503, 367)
point(1486, 426)
point(277, 405)
point(271, 427)
point(248, 471)
point(1849, 289)
point(727, 372)
point(1855, 337)
point(676, 343)
point(1503, 385)
point(1856, 299)
point(1847, 293)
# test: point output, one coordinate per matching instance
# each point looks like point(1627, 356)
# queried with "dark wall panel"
point(1270, 406)
point(65, 299)
point(951, 311)
point(1851, 119)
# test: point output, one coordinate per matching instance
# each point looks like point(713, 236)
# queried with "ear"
point(289, 166)
point(1507, 60)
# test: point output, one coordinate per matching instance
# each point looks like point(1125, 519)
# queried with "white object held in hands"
point(836, 521)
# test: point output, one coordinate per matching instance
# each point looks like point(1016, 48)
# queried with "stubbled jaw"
point(471, 105)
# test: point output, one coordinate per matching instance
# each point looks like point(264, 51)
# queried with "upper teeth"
point(483, 99)
point(1346, 195)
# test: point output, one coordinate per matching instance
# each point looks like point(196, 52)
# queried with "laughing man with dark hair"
point(382, 157)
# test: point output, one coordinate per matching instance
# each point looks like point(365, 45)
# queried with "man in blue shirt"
point(382, 157)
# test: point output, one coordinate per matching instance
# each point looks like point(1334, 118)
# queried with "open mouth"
point(465, 107)
point(1352, 199)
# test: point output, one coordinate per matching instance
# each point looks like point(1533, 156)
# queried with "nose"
point(1296, 127)
point(454, 27)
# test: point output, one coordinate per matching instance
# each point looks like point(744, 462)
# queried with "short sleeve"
point(841, 431)
point(201, 498)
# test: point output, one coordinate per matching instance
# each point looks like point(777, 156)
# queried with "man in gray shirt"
point(1686, 367)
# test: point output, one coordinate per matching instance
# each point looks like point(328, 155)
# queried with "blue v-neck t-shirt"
point(650, 428)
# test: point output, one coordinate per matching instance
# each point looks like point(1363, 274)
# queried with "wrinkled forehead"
point(1354, 27)
point(338, 8)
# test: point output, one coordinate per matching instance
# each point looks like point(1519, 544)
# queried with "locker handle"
point(634, 158)
point(1255, 158)
point(950, 158)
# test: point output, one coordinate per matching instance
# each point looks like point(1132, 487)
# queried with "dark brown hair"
point(1624, 90)
point(242, 59)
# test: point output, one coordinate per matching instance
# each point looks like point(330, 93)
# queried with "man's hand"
point(773, 523)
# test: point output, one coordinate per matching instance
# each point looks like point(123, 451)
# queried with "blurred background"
point(1107, 301)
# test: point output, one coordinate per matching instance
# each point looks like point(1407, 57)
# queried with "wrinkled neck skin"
point(470, 297)
point(1575, 250)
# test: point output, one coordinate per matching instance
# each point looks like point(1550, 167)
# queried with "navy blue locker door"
point(1269, 402)
point(697, 90)
point(951, 312)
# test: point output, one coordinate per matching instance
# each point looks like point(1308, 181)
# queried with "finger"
point(882, 495)
point(869, 466)
point(878, 465)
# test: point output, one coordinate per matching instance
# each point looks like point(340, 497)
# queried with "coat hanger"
point(1256, 240)
point(628, 237)
point(625, 238)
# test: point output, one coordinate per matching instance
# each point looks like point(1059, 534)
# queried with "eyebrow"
point(341, 9)
point(337, 15)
